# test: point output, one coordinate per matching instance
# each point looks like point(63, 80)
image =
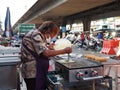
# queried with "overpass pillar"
point(63, 29)
point(86, 23)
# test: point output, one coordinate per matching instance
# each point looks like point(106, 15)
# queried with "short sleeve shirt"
point(35, 41)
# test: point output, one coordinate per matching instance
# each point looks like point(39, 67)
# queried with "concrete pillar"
point(71, 23)
point(63, 29)
point(86, 23)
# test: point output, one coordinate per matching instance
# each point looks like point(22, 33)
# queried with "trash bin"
point(8, 72)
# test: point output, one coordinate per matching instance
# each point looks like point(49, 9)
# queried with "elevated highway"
point(69, 11)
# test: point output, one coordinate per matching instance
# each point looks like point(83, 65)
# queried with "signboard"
point(24, 28)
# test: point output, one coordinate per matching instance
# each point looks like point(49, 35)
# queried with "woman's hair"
point(48, 26)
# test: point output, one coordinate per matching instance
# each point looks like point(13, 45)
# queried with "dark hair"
point(45, 26)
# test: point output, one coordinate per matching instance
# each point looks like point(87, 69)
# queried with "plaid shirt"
point(35, 41)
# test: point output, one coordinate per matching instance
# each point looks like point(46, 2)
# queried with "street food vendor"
point(35, 52)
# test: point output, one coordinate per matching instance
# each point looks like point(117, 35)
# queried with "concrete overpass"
point(69, 11)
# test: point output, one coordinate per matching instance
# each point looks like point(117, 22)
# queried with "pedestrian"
point(82, 37)
point(100, 35)
point(35, 52)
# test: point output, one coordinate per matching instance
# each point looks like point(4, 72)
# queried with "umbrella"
point(8, 30)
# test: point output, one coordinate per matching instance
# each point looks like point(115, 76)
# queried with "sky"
point(17, 9)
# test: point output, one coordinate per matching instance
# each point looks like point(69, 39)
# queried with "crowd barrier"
point(109, 46)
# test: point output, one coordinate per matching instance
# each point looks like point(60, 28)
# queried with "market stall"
point(111, 68)
point(8, 72)
point(9, 61)
point(78, 73)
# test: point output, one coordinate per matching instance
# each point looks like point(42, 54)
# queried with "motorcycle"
point(93, 44)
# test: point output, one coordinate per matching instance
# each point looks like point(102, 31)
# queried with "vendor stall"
point(78, 74)
point(8, 72)
point(111, 68)
point(9, 60)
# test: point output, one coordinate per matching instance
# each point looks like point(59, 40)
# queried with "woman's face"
point(51, 33)
point(50, 36)
point(54, 33)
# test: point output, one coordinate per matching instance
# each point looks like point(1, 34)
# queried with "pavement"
point(109, 70)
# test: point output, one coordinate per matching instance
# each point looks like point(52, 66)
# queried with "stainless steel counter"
point(8, 72)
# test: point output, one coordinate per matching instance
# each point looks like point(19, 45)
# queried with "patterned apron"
point(42, 65)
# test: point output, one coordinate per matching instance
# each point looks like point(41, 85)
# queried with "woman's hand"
point(68, 50)
point(51, 46)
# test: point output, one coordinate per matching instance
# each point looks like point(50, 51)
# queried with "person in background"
point(100, 35)
point(82, 37)
point(72, 38)
point(35, 52)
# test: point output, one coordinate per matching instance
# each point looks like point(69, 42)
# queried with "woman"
point(82, 36)
point(35, 52)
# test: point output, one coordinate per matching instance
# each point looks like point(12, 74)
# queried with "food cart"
point(80, 74)
point(8, 72)
point(9, 60)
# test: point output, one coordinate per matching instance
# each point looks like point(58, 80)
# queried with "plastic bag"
point(62, 43)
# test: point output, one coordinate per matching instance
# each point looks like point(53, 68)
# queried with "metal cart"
point(8, 72)
point(100, 84)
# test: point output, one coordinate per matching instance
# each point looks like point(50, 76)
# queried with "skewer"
point(93, 85)
point(68, 57)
